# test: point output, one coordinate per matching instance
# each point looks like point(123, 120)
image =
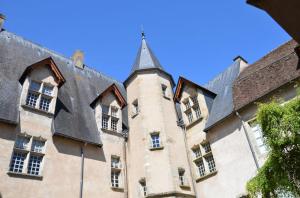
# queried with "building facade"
point(67, 130)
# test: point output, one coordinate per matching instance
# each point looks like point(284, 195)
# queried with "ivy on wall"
point(280, 175)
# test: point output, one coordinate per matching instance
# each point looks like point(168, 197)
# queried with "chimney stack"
point(2, 19)
point(78, 58)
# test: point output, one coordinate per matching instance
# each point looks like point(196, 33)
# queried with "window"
point(201, 168)
point(135, 107)
point(204, 159)
point(105, 109)
point(34, 165)
point(104, 122)
point(115, 162)
point(143, 187)
point(258, 135)
point(197, 112)
point(115, 179)
point(37, 98)
point(211, 163)
point(164, 90)
point(197, 152)
point(45, 103)
point(17, 162)
point(206, 147)
point(21, 152)
point(155, 140)
point(190, 116)
point(195, 100)
point(182, 179)
point(114, 124)
point(187, 104)
point(114, 112)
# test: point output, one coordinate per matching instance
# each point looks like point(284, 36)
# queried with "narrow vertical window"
point(164, 90)
point(211, 163)
point(182, 179)
point(143, 187)
point(114, 112)
point(195, 100)
point(45, 103)
point(258, 135)
point(197, 112)
point(115, 179)
point(190, 116)
point(34, 165)
point(155, 140)
point(187, 104)
point(105, 122)
point(115, 162)
point(17, 162)
point(201, 168)
point(135, 107)
point(197, 152)
point(114, 124)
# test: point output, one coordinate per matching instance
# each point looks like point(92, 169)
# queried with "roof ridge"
point(59, 55)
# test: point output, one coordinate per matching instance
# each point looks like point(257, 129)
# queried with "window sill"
point(185, 186)
point(206, 176)
point(119, 189)
point(38, 110)
point(116, 133)
point(116, 168)
point(25, 175)
point(134, 115)
point(190, 125)
point(156, 148)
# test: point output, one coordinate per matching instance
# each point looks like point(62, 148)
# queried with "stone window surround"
point(193, 107)
point(28, 153)
point(116, 171)
point(26, 90)
point(110, 117)
point(160, 147)
point(202, 158)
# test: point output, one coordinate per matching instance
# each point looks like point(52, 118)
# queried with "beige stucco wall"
point(157, 114)
point(62, 160)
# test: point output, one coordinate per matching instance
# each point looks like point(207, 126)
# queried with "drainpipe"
point(248, 140)
point(182, 126)
point(82, 169)
point(125, 135)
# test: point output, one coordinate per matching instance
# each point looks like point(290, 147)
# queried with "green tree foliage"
point(281, 129)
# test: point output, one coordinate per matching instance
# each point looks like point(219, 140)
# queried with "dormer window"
point(41, 82)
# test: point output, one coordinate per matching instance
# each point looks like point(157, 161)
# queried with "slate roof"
point(267, 74)
point(222, 105)
point(74, 118)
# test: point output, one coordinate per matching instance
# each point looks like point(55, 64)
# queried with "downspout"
point(248, 140)
point(125, 135)
point(182, 126)
point(82, 170)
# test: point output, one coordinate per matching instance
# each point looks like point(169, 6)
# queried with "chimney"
point(2, 19)
point(243, 63)
point(78, 58)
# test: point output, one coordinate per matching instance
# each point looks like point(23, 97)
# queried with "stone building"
point(69, 131)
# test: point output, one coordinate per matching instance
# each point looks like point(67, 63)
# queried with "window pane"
point(115, 162)
point(197, 152)
point(45, 104)
point(31, 99)
point(187, 104)
point(38, 146)
point(114, 124)
point(155, 140)
point(201, 168)
point(195, 100)
point(115, 179)
point(198, 112)
point(104, 122)
point(34, 165)
point(17, 162)
point(22, 142)
point(105, 109)
point(206, 147)
point(114, 112)
point(47, 90)
point(211, 163)
point(190, 117)
point(35, 86)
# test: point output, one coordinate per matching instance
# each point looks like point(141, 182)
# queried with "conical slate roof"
point(145, 58)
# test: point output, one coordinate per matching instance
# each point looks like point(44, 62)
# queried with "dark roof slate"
point(74, 118)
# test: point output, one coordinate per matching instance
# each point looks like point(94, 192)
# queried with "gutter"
point(248, 140)
point(125, 164)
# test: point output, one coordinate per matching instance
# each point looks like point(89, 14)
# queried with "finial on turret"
point(143, 32)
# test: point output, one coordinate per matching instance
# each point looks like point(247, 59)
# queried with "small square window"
point(17, 162)
point(47, 90)
point(34, 165)
point(35, 86)
point(38, 146)
point(155, 140)
point(45, 104)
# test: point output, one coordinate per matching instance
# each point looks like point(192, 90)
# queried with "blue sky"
point(192, 38)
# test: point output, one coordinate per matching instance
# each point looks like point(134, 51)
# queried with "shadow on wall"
point(223, 129)
point(72, 147)
point(9, 131)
